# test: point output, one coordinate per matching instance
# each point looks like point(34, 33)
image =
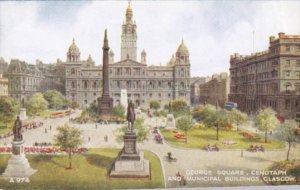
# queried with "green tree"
point(265, 120)
point(55, 99)
point(118, 111)
point(184, 123)
point(237, 117)
point(197, 113)
point(141, 130)
point(214, 118)
point(92, 109)
point(8, 109)
point(153, 104)
point(179, 105)
point(36, 104)
point(287, 132)
point(68, 139)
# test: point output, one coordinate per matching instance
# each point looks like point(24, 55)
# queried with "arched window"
point(182, 85)
point(73, 84)
point(73, 71)
point(85, 84)
point(288, 87)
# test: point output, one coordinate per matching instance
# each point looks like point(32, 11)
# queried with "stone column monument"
point(130, 162)
point(105, 103)
point(18, 165)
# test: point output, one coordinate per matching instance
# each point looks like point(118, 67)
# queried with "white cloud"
point(211, 30)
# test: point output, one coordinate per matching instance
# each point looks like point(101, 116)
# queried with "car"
point(230, 105)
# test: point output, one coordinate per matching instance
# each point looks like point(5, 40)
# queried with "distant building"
point(268, 78)
point(3, 86)
point(215, 90)
point(195, 90)
point(3, 66)
point(143, 82)
point(26, 79)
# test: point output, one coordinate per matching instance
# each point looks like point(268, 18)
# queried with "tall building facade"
point(3, 86)
point(214, 90)
point(268, 78)
point(25, 79)
point(83, 80)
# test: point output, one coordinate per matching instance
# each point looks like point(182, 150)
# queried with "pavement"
point(200, 168)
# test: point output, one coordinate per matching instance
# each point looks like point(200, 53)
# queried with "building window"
point(73, 84)
point(287, 87)
point(287, 104)
point(73, 71)
point(297, 73)
point(85, 85)
point(85, 94)
point(287, 48)
point(287, 73)
point(85, 101)
point(287, 63)
point(95, 94)
point(298, 63)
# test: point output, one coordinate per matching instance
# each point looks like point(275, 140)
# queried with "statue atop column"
point(17, 130)
point(130, 115)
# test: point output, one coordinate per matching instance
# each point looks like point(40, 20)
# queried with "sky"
point(212, 30)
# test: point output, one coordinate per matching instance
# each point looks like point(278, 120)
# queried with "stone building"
point(3, 86)
point(268, 78)
point(3, 66)
point(215, 90)
point(26, 79)
point(195, 90)
point(83, 82)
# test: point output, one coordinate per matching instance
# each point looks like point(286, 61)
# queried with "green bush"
point(119, 111)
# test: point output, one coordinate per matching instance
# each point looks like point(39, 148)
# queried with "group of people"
point(212, 147)
point(42, 144)
point(256, 148)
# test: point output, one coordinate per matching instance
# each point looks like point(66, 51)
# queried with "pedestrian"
point(46, 130)
point(105, 138)
point(242, 153)
point(50, 127)
point(89, 139)
point(96, 126)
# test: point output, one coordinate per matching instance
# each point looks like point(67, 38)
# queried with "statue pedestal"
point(22, 114)
point(18, 165)
point(170, 121)
point(130, 162)
point(105, 106)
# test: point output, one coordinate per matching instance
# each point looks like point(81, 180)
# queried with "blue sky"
point(212, 30)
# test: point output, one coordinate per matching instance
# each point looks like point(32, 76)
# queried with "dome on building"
point(111, 52)
point(182, 47)
point(90, 59)
point(172, 60)
point(73, 47)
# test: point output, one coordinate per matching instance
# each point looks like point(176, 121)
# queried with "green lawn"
point(90, 172)
point(199, 138)
point(4, 129)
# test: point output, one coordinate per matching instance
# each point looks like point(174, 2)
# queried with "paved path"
point(189, 160)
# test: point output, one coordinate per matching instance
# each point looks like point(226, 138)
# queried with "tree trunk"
point(237, 126)
point(217, 132)
point(266, 136)
point(186, 137)
point(288, 152)
point(70, 162)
